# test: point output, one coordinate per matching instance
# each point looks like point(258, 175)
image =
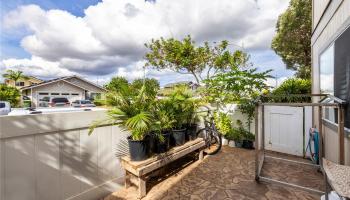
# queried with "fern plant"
point(131, 112)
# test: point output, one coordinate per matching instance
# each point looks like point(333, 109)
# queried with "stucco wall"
point(51, 156)
point(335, 20)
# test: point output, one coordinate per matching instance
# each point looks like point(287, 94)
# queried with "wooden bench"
point(137, 171)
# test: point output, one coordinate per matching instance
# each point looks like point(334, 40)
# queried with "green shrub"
point(285, 92)
point(235, 134)
point(27, 103)
point(223, 123)
point(100, 102)
point(10, 94)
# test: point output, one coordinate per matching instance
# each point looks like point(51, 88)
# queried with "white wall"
point(236, 114)
point(51, 156)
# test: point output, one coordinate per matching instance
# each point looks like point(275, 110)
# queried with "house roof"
point(62, 79)
point(178, 83)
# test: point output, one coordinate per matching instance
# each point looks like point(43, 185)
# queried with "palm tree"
point(15, 75)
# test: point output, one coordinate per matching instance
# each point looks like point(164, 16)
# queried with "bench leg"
point(142, 187)
point(127, 179)
point(201, 155)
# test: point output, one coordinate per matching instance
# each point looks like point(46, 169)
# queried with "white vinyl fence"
point(51, 156)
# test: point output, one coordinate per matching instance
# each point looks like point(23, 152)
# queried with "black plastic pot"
point(139, 149)
point(248, 144)
point(161, 147)
point(179, 136)
point(238, 144)
point(151, 143)
point(191, 132)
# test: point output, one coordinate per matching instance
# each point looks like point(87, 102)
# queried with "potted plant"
point(192, 119)
point(134, 114)
point(224, 125)
point(248, 140)
point(237, 137)
point(179, 106)
point(162, 128)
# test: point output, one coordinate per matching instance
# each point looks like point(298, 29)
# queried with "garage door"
point(43, 98)
point(284, 129)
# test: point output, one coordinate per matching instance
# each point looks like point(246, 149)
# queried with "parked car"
point(5, 107)
point(83, 103)
point(54, 102)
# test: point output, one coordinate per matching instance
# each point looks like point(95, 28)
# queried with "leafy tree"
point(235, 85)
point(151, 85)
point(10, 94)
point(290, 87)
point(293, 39)
point(185, 57)
point(117, 84)
point(15, 75)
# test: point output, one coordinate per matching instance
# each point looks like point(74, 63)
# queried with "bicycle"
point(210, 134)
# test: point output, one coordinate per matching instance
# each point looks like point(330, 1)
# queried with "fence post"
point(341, 133)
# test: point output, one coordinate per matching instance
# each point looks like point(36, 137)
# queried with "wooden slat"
point(159, 163)
point(137, 164)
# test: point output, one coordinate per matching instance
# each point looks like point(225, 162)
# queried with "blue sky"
point(101, 39)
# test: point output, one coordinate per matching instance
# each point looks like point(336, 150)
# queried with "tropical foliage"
point(10, 94)
point(223, 123)
point(181, 105)
point(131, 112)
point(117, 84)
point(293, 39)
point(14, 75)
point(289, 90)
point(234, 85)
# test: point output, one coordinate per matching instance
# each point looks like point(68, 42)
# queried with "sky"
point(99, 39)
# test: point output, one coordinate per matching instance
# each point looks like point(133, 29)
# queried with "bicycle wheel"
point(213, 140)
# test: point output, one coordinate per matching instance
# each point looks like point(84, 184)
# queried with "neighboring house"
point(331, 67)
point(191, 85)
point(71, 87)
point(23, 83)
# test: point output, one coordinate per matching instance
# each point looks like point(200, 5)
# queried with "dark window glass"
point(85, 102)
point(342, 71)
point(65, 93)
point(43, 93)
point(19, 83)
point(55, 93)
point(2, 105)
point(75, 94)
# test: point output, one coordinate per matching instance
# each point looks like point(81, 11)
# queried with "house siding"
point(85, 85)
point(335, 19)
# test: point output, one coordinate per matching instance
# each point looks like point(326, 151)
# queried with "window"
point(327, 79)
point(55, 93)
point(75, 94)
point(2, 105)
point(21, 83)
point(43, 93)
point(65, 93)
point(335, 74)
point(327, 71)
point(342, 71)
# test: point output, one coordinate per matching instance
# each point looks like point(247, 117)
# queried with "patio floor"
point(227, 175)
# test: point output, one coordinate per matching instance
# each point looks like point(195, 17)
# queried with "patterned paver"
point(227, 175)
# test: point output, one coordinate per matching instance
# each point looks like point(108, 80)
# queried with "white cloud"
point(111, 36)
point(275, 82)
point(36, 66)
